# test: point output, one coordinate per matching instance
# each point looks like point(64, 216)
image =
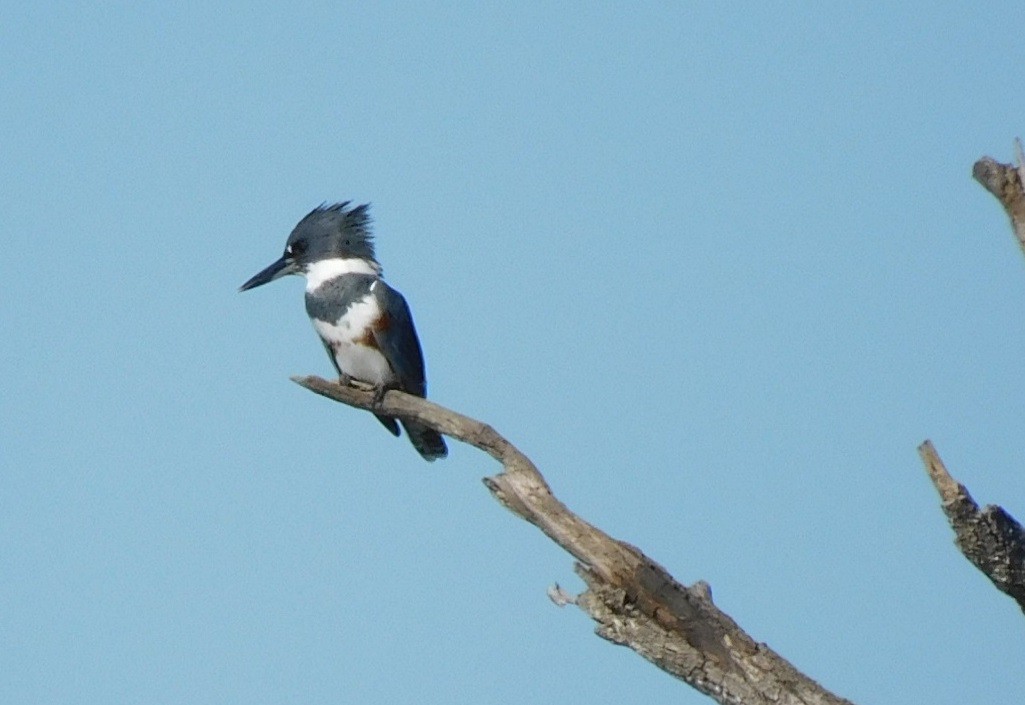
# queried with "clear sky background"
point(717, 269)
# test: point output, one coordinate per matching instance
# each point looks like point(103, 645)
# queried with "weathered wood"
point(1005, 182)
point(634, 600)
point(990, 538)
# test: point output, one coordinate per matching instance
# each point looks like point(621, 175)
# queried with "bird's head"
point(326, 233)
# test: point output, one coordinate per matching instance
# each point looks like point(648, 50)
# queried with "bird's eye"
point(296, 248)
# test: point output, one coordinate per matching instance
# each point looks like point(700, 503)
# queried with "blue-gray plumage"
point(365, 325)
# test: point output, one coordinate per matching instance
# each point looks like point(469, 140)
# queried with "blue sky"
point(717, 270)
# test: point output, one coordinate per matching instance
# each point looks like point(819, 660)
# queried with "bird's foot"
point(380, 391)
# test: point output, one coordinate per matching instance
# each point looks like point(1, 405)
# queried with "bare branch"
point(1005, 182)
point(990, 538)
point(634, 600)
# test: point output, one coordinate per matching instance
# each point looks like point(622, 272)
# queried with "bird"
point(365, 325)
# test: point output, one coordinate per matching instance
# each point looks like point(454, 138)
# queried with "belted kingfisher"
point(365, 325)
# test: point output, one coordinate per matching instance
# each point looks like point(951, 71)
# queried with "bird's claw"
point(379, 393)
point(378, 390)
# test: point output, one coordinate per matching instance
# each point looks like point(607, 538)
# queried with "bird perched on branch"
point(365, 325)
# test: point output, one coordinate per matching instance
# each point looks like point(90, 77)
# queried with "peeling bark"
point(990, 538)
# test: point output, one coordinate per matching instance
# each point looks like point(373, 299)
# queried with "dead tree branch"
point(634, 600)
point(1006, 183)
point(990, 538)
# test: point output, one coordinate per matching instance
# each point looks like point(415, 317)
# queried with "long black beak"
point(285, 265)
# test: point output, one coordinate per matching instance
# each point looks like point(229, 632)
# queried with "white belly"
point(357, 360)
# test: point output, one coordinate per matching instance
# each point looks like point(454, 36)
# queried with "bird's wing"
point(396, 337)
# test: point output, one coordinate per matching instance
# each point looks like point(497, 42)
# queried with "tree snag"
point(634, 600)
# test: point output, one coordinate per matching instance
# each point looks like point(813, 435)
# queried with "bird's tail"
point(427, 441)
